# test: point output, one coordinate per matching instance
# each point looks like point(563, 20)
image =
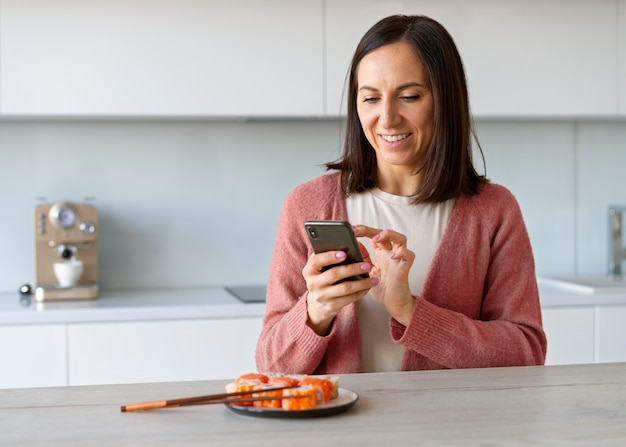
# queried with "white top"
point(423, 226)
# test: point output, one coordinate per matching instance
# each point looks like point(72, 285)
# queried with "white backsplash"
point(192, 203)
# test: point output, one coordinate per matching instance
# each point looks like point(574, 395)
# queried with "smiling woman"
point(395, 109)
point(451, 275)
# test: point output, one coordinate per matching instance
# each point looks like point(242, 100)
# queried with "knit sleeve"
point(286, 343)
point(480, 302)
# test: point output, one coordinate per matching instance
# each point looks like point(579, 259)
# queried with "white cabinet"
point(622, 56)
point(33, 356)
point(611, 333)
point(570, 334)
point(159, 351)
point(585, 334)
point(161, 58)
point(288, 58)
point(531, 58)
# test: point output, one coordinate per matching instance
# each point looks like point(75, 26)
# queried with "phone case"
point(329, 235)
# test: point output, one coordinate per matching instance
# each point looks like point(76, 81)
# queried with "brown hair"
point(448, 168)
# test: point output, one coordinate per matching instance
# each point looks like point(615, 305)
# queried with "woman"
point(451, 272)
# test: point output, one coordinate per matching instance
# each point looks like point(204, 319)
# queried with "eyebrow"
point(400, 87)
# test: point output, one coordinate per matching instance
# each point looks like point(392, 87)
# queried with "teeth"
point(393, 138)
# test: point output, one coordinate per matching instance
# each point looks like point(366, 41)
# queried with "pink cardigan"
point(479, 305)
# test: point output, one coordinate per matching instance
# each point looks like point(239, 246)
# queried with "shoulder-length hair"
point(448, 167)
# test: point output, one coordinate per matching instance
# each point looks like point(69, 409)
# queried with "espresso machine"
point(66, 251)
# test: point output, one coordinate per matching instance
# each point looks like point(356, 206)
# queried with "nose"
point(388, 114)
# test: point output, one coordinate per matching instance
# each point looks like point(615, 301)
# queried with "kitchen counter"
point(84, 342)
point(554, 297)
point(542, 405)
point(129, 305)
point(198, 303)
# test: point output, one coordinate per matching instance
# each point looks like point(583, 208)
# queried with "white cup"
point(68, 273)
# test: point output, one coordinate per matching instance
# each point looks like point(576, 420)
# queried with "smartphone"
point(329, 235)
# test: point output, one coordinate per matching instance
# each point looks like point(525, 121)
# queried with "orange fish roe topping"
point(274, 403)
point(307, 399)
point(283, 381)
point(252, 377)
point(325, 386)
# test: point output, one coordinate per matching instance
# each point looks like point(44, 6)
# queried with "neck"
point(403, 183)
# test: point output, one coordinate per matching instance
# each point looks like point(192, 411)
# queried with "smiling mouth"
point(394, 138)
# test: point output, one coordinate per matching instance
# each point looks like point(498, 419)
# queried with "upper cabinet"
point(289, 58)
point(161, 58)
point(523, 58)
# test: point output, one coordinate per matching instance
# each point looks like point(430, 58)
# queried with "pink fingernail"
point(365, 266)
point(376, 237)
point(341, 254)
point(375, 281)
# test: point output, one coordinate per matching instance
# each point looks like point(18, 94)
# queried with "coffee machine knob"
point(87, 227)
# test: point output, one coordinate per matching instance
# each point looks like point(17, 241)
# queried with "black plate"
point(341, 403)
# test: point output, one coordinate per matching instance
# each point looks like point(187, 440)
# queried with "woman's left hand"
point(393, 264)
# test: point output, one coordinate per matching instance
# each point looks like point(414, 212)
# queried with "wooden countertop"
point(583, 405)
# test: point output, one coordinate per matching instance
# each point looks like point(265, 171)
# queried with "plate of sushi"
point(276, 395)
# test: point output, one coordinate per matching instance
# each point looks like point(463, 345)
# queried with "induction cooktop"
point(248, 294)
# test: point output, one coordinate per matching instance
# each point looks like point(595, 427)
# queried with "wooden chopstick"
point(245, 399)
point(222, 398)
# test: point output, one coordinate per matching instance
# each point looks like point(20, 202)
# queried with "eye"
point(410, 98)
point(370, 99)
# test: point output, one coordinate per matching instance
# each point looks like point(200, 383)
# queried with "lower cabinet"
point(33, 356)
point(585, 334)
point(611, 334)
point(182, 350)
point(570, 334)
point(161, 351)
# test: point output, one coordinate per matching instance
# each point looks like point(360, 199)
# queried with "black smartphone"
point(329, 235)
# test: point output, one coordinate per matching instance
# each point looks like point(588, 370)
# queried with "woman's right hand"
point(327, 293)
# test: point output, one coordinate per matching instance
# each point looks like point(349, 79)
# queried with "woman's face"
point(395, 105)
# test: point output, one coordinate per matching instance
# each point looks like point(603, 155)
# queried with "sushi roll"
point(252, 378)
point(309, 390)
point(324, 386)
point(247, 382)
point(334, 380)
point(301, 398)
point(234, 387)
point(283, 381)
point(267, 392)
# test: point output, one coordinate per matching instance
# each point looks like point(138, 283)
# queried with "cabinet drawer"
point(160, 351)
point(33, 356)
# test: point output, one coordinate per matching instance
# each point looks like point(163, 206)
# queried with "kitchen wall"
point(195, 203)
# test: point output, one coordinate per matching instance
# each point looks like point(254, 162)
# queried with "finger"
point(397, 254)
point(402, 256)
point(318, 261)
point(366, 255)
point(388, 239)
point(341, 273)
point(365, 231)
